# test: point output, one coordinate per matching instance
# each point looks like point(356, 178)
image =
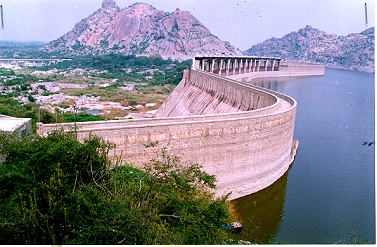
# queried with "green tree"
point(56, 190)
point(38, 179)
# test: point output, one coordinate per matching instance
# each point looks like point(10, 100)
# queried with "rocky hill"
point(354, 51)
point(140, 29)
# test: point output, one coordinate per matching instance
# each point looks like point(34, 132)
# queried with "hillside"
point(354, 51)
point(140, 29)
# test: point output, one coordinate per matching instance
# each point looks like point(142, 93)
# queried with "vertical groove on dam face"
point(205, 95)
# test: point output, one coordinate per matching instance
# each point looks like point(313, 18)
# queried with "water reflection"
point(274, 84)
point(93, 111)
point(261, 212)
point(266, 83)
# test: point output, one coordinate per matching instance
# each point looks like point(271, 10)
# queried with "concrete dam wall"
point(201, 94)
point(240, 133)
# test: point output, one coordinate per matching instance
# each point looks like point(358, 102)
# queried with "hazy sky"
point(241, 22)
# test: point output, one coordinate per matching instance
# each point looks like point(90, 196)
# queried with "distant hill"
point(140, 29)
point(354, 51)
point(4, 43)
point(20, 49)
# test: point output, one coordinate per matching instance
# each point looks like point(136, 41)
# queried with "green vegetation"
point(6, 72)
point(82, 117)
point(129, 68)
point(10, 78)
point(355, 238)
point(153, 79)
point(56, 190)
point(124, 68)
point(20, 79)
point(13, 108)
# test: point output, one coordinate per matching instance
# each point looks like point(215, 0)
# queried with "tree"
point(56, 190)
point(38, 179)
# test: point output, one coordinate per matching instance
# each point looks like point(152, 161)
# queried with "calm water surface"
point(329, 191)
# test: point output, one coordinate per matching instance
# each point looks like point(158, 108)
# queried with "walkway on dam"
point(283, 106)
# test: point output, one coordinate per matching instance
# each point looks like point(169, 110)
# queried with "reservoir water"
point(328, 194)
point(93, 111)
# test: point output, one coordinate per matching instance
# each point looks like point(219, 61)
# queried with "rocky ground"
point(50, 96)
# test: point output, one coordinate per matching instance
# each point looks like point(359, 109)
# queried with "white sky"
point(241, 22)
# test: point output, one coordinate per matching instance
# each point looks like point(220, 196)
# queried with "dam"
point(242, 134)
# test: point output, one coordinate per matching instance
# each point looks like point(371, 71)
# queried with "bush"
point(56, 190)
point(38, 180)
point(30, 98)
point(6, 72)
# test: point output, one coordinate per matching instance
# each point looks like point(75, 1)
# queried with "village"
point(83, 91)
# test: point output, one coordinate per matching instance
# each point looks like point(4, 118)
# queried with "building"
point(15, 125)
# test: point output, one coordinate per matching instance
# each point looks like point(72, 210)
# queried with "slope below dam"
point(240, 133)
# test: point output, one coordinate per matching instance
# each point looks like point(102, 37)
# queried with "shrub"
point(82, 117)
point(38, 185)
point(30, 98)
point(56, 190)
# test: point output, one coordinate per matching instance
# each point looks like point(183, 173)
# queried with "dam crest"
point(242, 134)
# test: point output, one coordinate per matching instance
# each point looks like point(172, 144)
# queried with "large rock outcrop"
point(140, 29)
point(354, 51)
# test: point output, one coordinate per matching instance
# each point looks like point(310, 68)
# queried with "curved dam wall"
point(290, 69)
point(244, 136)
point(205, 94)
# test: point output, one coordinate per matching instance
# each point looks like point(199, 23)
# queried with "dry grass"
point(74, 79)
point(68, 103)
point(113, 113)
point(153, 94)
point(233, 214)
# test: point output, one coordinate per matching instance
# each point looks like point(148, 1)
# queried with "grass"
point(143, 95)
point(149, 94)
point(82, 117)
point(113, 113)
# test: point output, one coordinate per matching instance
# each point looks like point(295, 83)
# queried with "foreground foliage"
point(56, 190)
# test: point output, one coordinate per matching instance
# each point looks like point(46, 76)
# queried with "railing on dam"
point(227, 66)
point(244, 68)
